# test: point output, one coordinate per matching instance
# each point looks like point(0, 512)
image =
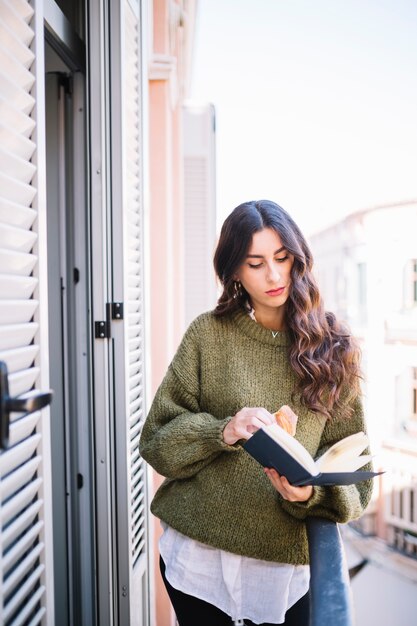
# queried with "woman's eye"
point(255, 267)
point(284, 258)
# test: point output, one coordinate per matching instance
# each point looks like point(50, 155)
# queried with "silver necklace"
point(251, 312)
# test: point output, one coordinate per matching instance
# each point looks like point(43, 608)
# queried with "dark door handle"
point(9, 405)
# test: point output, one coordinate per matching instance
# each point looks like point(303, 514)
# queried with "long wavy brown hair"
point(323, 354)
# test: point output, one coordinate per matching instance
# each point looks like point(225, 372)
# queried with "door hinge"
point(117, 310)
point(114, 311)
point(102, 330)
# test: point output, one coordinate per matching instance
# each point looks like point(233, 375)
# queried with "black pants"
point(191, 611)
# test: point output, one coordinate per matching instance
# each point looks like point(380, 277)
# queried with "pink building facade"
point(170, 53)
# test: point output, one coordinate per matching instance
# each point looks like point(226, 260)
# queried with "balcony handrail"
point(330, 594)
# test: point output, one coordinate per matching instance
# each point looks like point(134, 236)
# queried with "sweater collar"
point(252, 329)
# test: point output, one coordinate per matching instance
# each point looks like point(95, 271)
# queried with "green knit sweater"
point(216, 493)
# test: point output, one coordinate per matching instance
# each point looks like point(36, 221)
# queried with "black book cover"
point(268, 452)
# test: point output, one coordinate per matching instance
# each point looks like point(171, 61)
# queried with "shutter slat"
point(13, 92)
point(134, 344)
point(37, 619)
point(137, 462)
point(138, 549)
point(28, 585)
point(134, 383)
point(28, 607)
point(133, 294)
point(24, 520)
point(19, 359)
point(17, 263)
point(133, 281)
point(135, 365)
point(134, 431)
point(134, 393)
point(17, 310)
point(138, 476)
point(23, 381)
point(16, 214)
point(13, 457)
point(137, 492)
point(15, 15)
point(23, 567)
point(24, 9)
point(135, 416)
point(16, 191)
point(134, 361)
point(17, 335)
point(16, 238)
point(133, 307)
point(18, 550)
point(15, 143)
point(23, 427)
point(22, 499)
point(18, 478)
point(12, 117)
point(11, 66)
point(15, 167)
point(136, 412)
point(138, 513)
point(17, 287)
point(10, 42)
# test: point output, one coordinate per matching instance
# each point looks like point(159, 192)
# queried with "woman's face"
point(265, 273)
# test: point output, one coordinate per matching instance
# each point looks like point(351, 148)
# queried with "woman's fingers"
point(246, 421)
point(288, 491)
point(254, 416)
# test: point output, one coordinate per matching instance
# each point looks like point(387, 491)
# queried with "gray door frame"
point(76, 587)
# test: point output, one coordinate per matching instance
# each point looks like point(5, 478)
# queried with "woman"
point(234, 545)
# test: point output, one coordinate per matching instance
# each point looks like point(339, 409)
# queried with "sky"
point(316, 103)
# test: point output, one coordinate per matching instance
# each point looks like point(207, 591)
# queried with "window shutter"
point(199, 209)
point(127, 245)
point(134, 293)
point(24, 556)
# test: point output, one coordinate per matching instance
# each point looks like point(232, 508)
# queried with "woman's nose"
point(273, 273)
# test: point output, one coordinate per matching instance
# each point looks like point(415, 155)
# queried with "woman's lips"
point(275, 292)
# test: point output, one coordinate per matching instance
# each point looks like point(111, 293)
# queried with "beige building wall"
point(366, 267)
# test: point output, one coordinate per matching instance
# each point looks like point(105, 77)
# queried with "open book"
point(273, 447)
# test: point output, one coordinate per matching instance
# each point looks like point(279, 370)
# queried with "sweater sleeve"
point(337, 503)
point(178, 439)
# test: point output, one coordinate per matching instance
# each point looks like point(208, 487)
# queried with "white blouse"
point(242, 587)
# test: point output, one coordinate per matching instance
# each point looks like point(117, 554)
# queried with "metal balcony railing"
point(330, 595)
point(398, 517)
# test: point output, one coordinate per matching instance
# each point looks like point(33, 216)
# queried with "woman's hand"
point(287, 491)
point(245, 423)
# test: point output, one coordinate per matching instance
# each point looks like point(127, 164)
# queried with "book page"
point(344, 456)
point(347, 464)
point(292, 446)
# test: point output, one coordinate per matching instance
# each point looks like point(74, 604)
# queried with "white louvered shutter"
point(25, 562)
point(127, 209)
point(199, 209)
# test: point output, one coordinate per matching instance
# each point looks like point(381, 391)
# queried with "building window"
point(362, 292)
point(410, 284)
point(414, 280)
